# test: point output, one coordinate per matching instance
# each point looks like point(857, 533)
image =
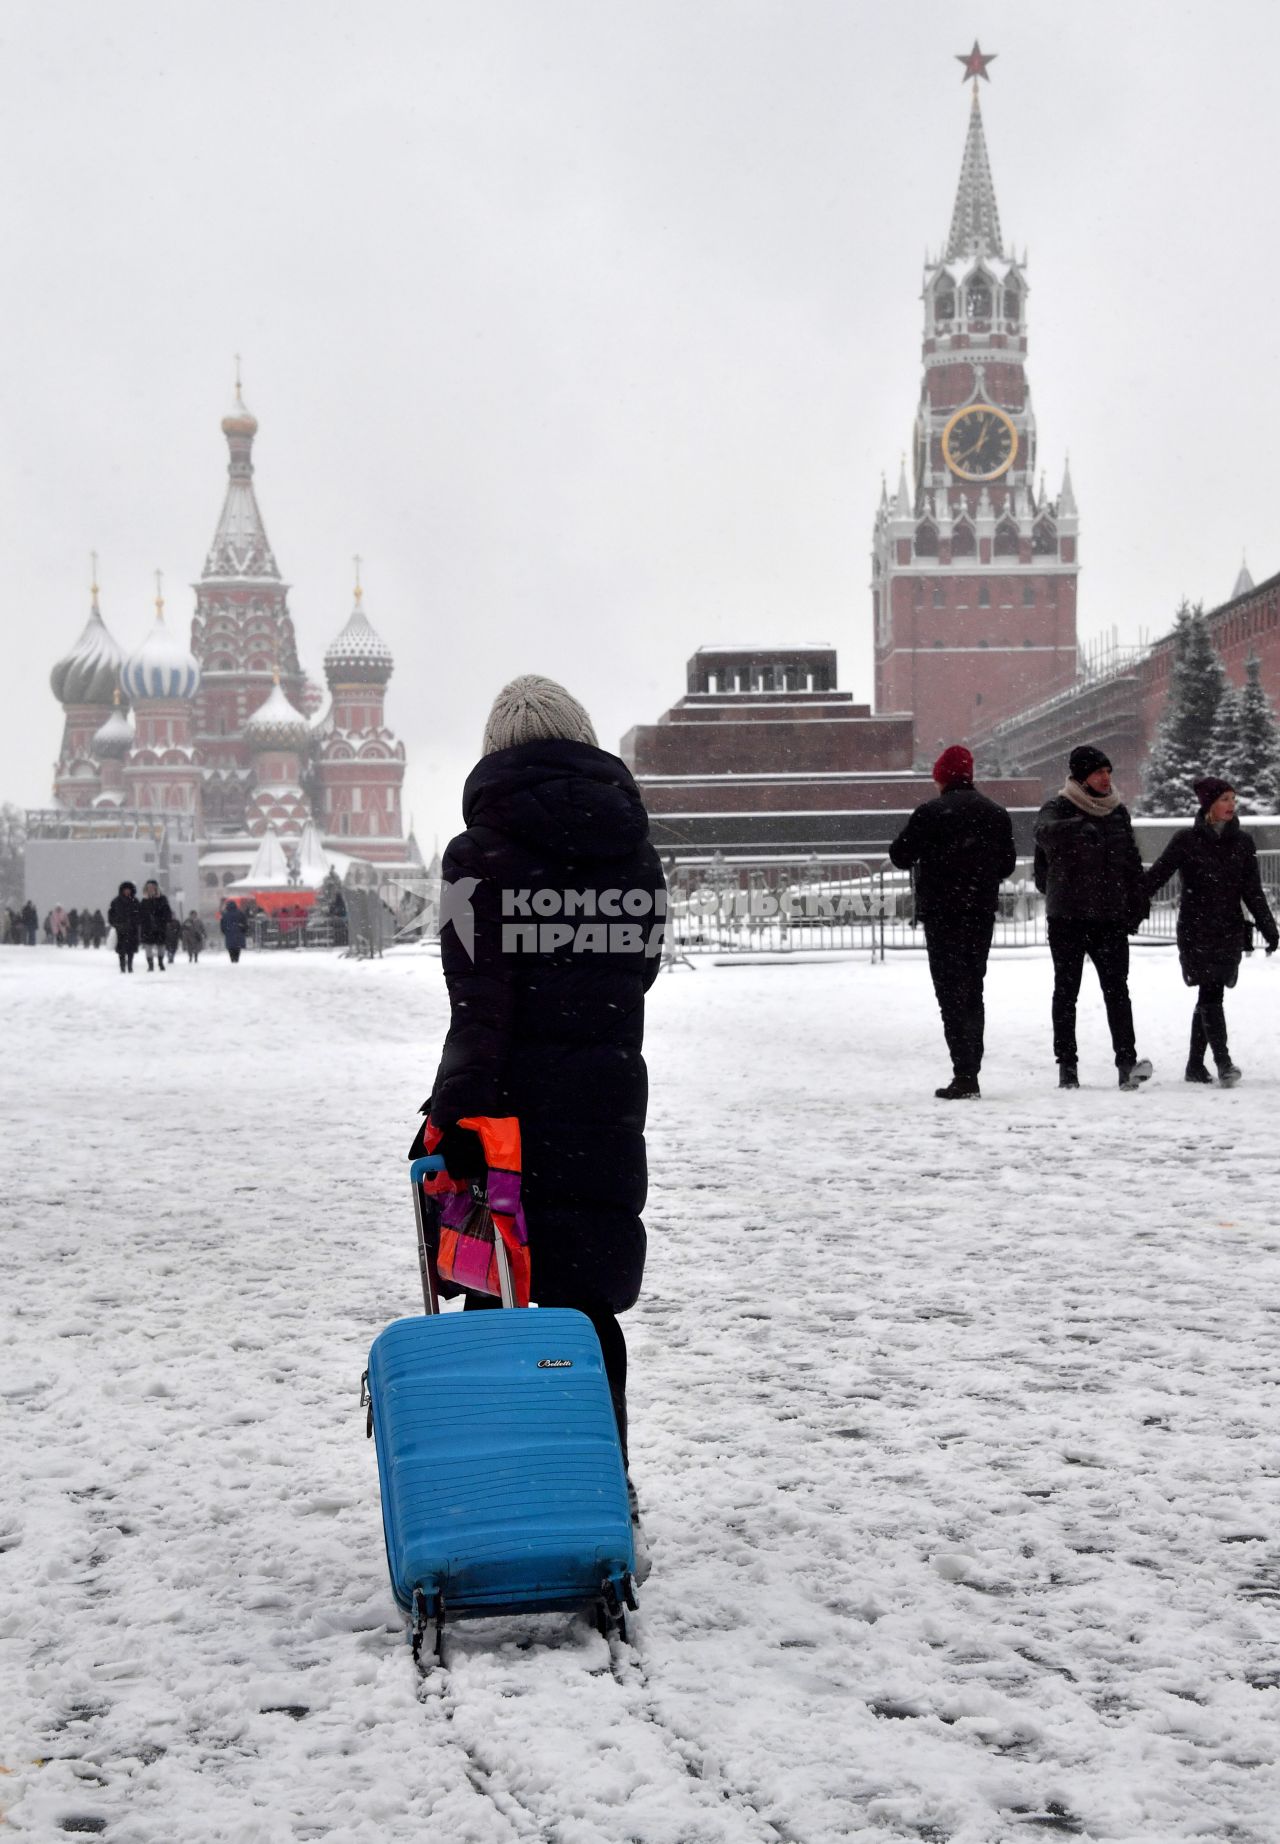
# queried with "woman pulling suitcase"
point(551, 935)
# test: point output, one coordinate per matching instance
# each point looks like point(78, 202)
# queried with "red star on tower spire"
point(975, 63)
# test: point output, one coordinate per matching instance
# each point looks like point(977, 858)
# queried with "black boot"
point(1196, 1071)
point(960, 1088)
point(1068, 1076)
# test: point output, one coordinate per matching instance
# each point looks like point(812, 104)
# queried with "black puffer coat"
point(1089, 868)
point(961, 846)
point(156, 917)
point(124, 916)
point(1219, 872)
point(554, 1036)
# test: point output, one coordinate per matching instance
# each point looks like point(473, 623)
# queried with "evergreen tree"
point(13, 839)
point(1224, 740)
point(1255, 767)
point(1181, 750)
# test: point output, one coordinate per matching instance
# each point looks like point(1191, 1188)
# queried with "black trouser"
point(613, 1347)
point(958, 949)
point(234, 954)
point(1071, 939)
point(126, 960)
point(1209, 1026)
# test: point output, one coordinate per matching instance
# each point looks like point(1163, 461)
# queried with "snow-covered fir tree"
point(1255, 761)
point(1180, 752)
point(1222, 757)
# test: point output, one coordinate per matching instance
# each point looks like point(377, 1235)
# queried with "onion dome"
point(239, 420)
point(162, 667)
point(90, 672)
point(115, 738)
point(277, 724)
point(358, 655)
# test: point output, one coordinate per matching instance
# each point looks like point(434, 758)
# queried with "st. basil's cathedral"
point(228, 742)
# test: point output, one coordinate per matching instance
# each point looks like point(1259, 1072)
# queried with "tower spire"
point(240, 547)
point(975, 220)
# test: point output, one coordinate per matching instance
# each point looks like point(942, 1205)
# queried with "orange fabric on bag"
point(500, 1139)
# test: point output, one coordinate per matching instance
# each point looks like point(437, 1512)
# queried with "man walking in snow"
point(1089, 870)
point(155, 917)
point(961, 847)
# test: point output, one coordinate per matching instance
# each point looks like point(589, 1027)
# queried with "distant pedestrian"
point(1218, 864)
point(98, 928)
point(961, 847)
point(48, 928)
point(58, 917)
point(73, 928)
point(172, 937)
point(1089, 870)
point(193, 935)
point(125, 917)
point(156, 916)
point(30, 921)
point(234, 931)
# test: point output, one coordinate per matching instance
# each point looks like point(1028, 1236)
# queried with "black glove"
point(1272, 945)
point(462, 1152)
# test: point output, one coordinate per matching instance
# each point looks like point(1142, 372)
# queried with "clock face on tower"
point(980, 442)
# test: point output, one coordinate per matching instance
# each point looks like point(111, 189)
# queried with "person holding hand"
point(1218, 863)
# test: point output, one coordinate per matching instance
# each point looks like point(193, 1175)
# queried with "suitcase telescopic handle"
point(418, 1170)
point(426, 1257)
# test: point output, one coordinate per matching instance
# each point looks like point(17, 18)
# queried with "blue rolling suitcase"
point(503, 1487)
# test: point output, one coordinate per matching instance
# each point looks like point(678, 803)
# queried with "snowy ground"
point(956, 1427)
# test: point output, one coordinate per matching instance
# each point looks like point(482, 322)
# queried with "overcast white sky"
point(592, 325)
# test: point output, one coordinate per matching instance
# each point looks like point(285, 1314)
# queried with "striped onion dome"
point(277, 724)
point(90, 672)
point(358, 655)
point(162, 667)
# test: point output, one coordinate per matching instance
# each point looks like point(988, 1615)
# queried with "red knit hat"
point(954, 767)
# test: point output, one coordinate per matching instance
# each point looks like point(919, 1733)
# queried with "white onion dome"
point(277, 724)
point(358, 655)
point(90, 672)
point(162, 667)
point(115, 737)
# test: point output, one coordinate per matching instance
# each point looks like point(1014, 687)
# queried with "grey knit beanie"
point(536, 710)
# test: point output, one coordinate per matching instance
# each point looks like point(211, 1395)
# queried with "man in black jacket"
point(1089, 870)
point(154, 918)
point(961, 848)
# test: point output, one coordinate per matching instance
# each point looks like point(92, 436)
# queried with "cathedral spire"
point(240, 547)
point(975, 221)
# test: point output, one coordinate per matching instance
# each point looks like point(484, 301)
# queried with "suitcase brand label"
point(555, 1363)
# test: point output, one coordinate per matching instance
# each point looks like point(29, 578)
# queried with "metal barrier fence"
point(778, 908)
point(754, 907)
point(859, 904)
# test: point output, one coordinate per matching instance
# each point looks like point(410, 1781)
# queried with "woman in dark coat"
point(1218, 864)
point(125, 917)
point(547, 1002)
point(235, 931)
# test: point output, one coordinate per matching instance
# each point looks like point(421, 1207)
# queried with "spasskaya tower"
point(974, 567)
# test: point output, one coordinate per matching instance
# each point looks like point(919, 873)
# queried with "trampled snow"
point(955, 1427)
